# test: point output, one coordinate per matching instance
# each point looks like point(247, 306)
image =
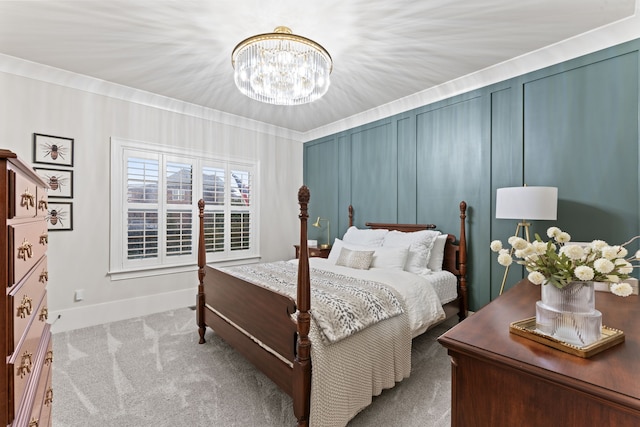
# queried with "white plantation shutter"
point(179, 201)
point(142, 208)
point(228, 209)
point(154, 207)
point(240, 210)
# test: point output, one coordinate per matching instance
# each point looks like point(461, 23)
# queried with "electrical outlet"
point(79, 295)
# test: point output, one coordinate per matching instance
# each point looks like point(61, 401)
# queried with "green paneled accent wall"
point(581, 135)
point(374, 171)
point(573, 126)
point(321, 168)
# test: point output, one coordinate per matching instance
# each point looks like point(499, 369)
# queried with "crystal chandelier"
point(281, 68)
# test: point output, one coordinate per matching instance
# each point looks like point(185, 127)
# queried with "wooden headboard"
point(455, 250)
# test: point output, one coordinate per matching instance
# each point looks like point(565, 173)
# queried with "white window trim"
point(118, 268)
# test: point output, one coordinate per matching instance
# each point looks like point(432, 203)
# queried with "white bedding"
point(422, 295)
point(346, 374)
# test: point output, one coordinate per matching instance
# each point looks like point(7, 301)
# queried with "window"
point(154, 209)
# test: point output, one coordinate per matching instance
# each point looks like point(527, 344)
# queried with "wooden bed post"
point(462, 263)
point(202, 259)
point(302, 363)
point(350, 215)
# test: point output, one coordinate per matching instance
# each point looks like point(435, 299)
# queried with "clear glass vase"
point(569, 314)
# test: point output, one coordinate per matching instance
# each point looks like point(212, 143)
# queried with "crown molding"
point(615, 33)
point(44, 73)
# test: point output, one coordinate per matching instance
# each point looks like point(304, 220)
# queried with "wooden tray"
point(527, 329)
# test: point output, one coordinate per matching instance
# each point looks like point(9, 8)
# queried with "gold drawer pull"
point(25, 366)
point(49, 359)
point(25, 250)
point(48, 397)
point(43, 205)
point(44, 314)
point(27, 199)
point(44, 276)
point(34, 422)
point(25, 307)
point(44, 238)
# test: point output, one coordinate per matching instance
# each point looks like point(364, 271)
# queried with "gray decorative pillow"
point(355, 259)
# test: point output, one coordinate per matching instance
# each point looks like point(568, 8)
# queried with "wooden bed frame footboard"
point(258, 322)
point(272, 330)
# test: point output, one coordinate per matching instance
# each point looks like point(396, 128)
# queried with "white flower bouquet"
point(559, 263)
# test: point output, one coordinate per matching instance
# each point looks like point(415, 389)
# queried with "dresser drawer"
point(27, 199)
point(41, 410)
point(27, 244)
point(23, 301)
point(24, 361)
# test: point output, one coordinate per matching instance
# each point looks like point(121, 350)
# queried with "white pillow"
point(384, 257)
point(355, 259)
point(365, 237)
point(393, 258)
point(436, 258)
point(419, 243)
point(337, 246)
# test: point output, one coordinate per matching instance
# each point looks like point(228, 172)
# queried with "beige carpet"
point(151, 371)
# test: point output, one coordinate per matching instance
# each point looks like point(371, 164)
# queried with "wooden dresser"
point(502, 379)
point(25, 388)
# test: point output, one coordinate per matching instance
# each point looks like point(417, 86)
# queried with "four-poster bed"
point(274, 331)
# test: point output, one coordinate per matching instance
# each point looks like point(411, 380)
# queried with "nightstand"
point(314, 252)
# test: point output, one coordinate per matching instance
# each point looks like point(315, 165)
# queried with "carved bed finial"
point(304, 194)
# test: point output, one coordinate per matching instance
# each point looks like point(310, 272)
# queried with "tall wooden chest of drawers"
point(25, 386)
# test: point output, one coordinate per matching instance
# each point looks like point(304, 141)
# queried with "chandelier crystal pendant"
point(281, 68)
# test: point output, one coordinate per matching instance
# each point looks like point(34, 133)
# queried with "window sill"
point(172, 269)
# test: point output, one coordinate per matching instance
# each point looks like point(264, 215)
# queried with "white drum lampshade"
point(535, 203)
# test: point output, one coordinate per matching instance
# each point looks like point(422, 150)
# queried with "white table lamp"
point(525, 203)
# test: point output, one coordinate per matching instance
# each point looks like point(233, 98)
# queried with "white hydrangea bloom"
point(563, 237)
point(536, 277)
point(552, 232)
point(598, 244)
point(609, 252)
point(622, 289)
point(603, 265)
point(519, 243)
point(539, 247)
point(496, 245)
point(574, 252)
point(622, 251)
point(505, 259)
point(624, 266)
point(533, 257)
point(584, 272)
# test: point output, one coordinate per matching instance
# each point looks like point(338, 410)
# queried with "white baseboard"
point(97, 314)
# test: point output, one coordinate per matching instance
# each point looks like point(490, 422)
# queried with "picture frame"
point(52, 150)
point(60, 216)
point(60, 182)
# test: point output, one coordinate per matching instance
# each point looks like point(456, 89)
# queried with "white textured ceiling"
point(383, 50)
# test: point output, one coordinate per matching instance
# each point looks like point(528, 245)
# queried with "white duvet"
point(421, 300)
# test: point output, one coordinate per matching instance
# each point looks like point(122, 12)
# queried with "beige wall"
point(79, 259)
